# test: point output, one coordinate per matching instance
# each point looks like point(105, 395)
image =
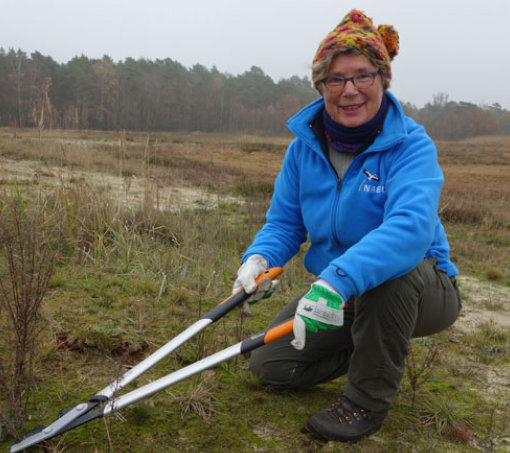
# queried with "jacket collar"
point(394, 129)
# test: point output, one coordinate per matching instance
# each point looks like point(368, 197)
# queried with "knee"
point(393, 305)
point(255, 364)
point(277, 373)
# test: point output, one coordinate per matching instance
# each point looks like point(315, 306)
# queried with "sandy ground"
point(129, 191)
point(484, 302)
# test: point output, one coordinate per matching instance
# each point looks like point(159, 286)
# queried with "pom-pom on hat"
point(358, 31)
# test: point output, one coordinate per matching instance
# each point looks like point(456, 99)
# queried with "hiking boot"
point(345, 421)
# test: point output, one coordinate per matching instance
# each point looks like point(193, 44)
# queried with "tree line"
point(163, 95)
point(160, 95)
point(449, 120)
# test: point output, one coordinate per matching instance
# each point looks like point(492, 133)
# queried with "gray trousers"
point(372, 345)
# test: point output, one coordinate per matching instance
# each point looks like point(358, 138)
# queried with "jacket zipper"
point(337, 202)
point(338, 189)
point(335, 210)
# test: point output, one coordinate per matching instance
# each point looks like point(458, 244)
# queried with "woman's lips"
point(351, 108)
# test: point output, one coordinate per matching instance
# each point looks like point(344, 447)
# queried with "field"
point(150, 230)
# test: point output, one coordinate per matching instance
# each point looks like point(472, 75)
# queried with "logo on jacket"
point(371, 183)
point(371, 177)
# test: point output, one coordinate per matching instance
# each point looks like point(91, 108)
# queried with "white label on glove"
point(319, 311)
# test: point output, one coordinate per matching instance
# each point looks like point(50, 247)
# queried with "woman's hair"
point(320, 69)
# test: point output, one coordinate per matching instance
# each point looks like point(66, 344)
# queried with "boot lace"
point(346, 411)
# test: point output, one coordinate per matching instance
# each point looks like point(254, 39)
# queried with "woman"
point(362, 182)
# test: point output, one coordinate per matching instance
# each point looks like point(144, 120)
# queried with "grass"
point(133, 276)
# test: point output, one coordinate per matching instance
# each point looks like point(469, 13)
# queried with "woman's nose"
point(350, 88)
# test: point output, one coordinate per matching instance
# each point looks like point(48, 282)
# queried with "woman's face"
point(352, 106)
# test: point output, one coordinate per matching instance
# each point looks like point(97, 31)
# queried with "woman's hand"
point(319, 309)
point(246, 275)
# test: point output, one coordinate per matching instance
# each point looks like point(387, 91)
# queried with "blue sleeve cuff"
point(340, 281)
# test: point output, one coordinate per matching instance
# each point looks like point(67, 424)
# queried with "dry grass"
point(474, 204)
point(134, 276)
point(212, 159)
point(195, 168)
point(174, 169)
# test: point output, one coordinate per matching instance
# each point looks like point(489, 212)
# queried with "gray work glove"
point(246, 275)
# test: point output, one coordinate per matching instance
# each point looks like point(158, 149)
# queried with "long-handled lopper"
point(84, 412)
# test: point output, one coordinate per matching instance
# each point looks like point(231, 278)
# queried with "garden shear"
point(104, 402)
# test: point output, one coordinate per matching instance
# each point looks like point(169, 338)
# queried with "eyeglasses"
point(361, 81)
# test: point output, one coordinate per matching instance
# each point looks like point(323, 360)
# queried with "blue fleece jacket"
point(375, 224)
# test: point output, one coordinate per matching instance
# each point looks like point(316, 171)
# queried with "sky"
point(457, 47)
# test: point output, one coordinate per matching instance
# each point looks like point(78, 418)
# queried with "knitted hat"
point(358, 31)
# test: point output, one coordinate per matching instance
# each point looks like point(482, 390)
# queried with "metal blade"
point(55, 427)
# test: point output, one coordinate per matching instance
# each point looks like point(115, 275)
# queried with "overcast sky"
point(458, 47)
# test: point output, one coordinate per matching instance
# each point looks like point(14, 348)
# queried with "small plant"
point(452, 421)
point(29, 247)
point(418, 367)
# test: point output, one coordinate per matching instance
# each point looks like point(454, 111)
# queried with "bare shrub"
point(28, 249)
point(418, 368)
